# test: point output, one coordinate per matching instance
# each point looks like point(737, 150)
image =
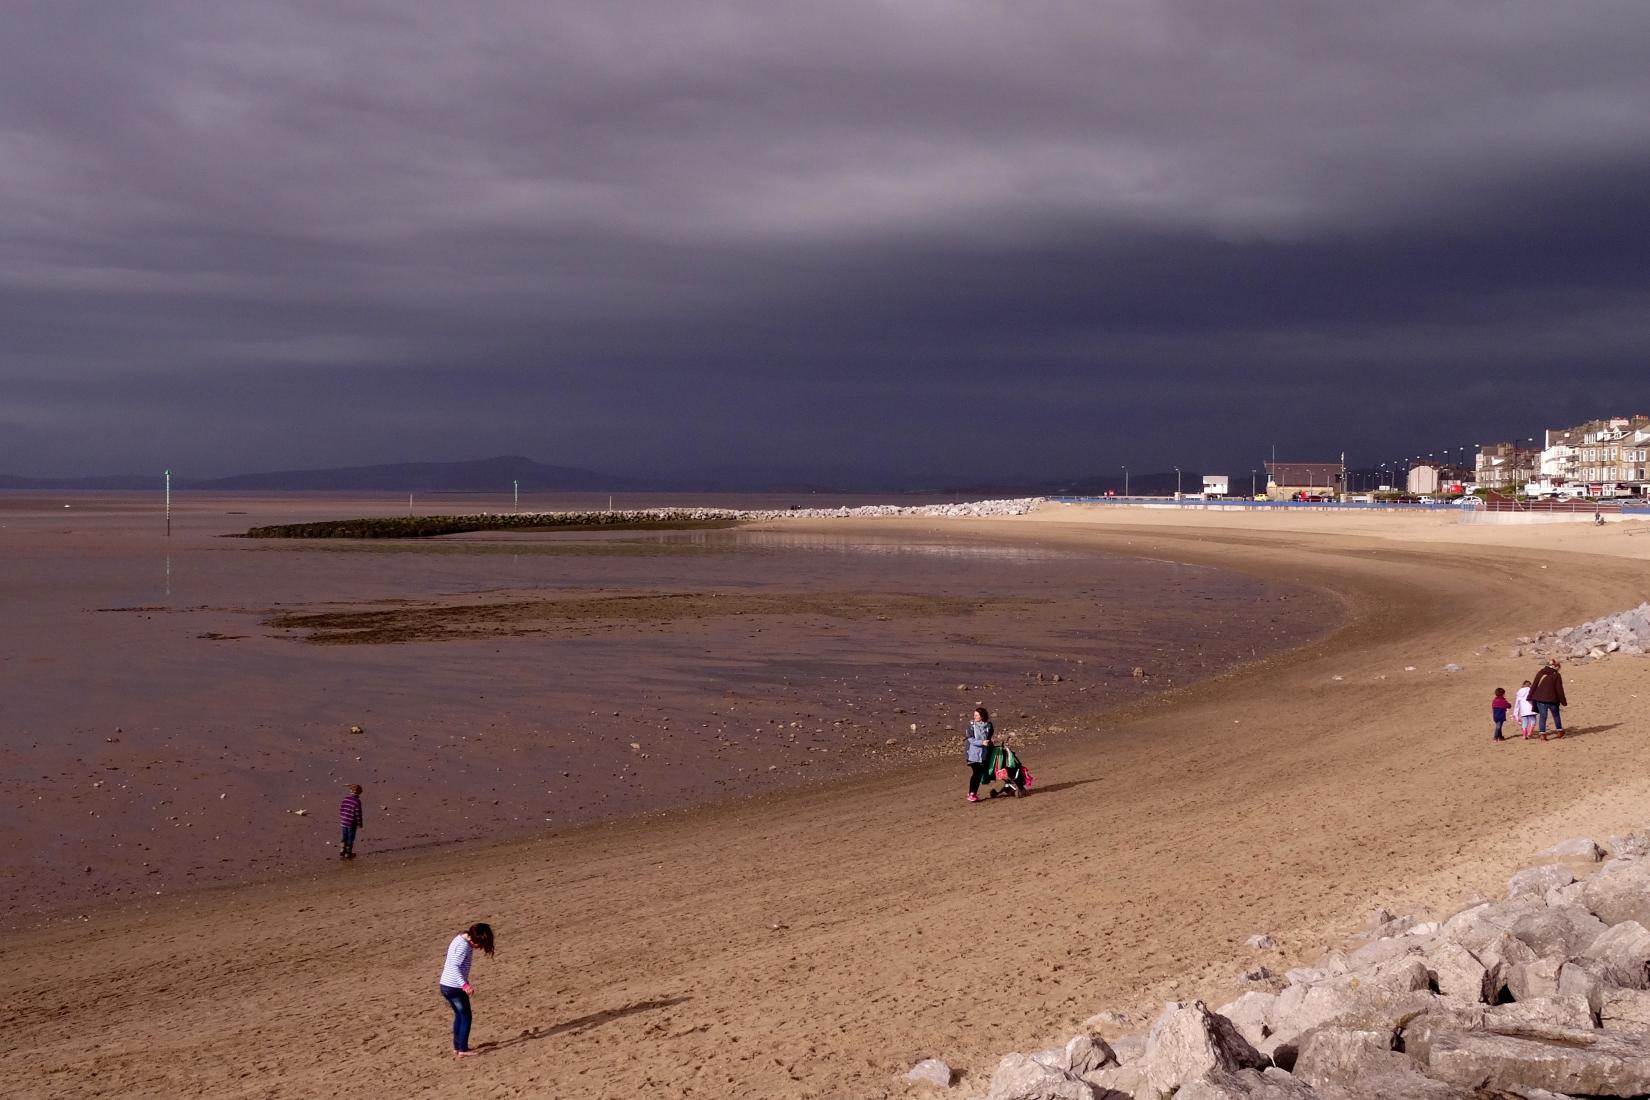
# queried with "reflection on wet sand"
point(168, 741)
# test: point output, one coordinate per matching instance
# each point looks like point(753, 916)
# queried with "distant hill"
point(480, 475)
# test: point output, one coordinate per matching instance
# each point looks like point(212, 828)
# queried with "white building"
point(1608, 453)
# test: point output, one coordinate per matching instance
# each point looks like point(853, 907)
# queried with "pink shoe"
point(973, 798)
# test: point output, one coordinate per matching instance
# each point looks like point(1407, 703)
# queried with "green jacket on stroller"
point(1005, 764)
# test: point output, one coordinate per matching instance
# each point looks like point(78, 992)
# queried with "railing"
point(1221, 502)
point(1539, 507)
point(1570, 507)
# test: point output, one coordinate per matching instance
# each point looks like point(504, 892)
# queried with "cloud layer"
point(853, 240)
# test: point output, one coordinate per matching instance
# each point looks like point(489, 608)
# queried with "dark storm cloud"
point(905, 238)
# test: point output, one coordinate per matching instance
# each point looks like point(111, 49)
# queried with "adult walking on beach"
point(1547, 693)
point(455, 981)
point(980, 736)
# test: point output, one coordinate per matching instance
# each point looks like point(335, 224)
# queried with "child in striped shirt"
point(350, 819)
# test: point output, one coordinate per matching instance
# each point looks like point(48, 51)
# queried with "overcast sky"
point(837, 240)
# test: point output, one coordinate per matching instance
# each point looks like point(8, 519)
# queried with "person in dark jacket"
point(1547, 693)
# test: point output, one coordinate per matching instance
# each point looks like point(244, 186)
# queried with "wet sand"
point(175, 703)
point(815, 943)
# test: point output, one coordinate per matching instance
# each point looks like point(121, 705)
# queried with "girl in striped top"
point(455, 982)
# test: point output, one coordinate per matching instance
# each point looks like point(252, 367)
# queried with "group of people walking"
point(1536, 701)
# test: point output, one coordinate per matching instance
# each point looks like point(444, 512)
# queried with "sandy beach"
point(816, 943)
point(180, 708)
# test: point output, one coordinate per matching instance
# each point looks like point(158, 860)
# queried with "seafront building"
point(1429, 478)
point(1289, 480)
point(1609, 457)
point(1506, 466)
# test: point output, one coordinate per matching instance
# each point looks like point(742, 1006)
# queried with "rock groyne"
point(407, 527)
point(1541, 995)
point(1626, 632)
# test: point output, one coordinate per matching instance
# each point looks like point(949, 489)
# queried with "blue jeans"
point(459, 1002)
point(349, 839)
point(1544, 709)
point(1500, 716)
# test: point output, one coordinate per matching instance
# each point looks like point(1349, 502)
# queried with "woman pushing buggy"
point(988, 760)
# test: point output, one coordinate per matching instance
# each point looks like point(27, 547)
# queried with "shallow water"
point(161, 735)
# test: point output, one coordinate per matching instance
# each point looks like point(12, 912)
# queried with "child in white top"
point(1525, 710)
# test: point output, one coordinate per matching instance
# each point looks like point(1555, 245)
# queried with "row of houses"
point(1608, 457)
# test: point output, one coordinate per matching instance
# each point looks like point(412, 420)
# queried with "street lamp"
point(1125, 481)
point(1177, 482)
point(1251, 484)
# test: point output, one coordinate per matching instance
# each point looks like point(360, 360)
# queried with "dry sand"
point(816, 944)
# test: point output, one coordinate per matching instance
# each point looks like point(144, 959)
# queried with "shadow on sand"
point(584, 1023)
point(1582, 731)
point(1039, 790)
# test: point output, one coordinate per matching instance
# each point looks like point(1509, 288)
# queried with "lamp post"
point(168, 503)
point(1177, 482)
point(516, 487)
point(1252, 484)
point(1125, 482)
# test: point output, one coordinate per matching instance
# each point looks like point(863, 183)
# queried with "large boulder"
point(1393, 1077)
point(1382, 998)
point(1120, 1081)
point(930, 1071)
point(1384, 950)
point(1622, 953)
point(1581, 847)
point(1564, 930)
point(1188, 1041)
point(1478, 924)
point(1339, 1056)
point(1538, 880)
point(1246, 1084)
point(1537, 978)
point(1566, 895)
point(1581, 979)
point(1129, 1048)
point(1571, 1011)
point(1019, 1077)
point(1620, 892)
point(1249, 1014)
point(1392, 1012)
point(1625, 1009)
point(1571, 1061)
point(1499, 954)
point(1458, 973)
point(1081, 1054)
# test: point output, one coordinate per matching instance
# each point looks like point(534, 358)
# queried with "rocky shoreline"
point(1626, 632)
point(1541, 995)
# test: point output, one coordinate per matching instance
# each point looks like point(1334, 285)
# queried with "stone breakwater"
point(970, 510)
point(1542, 995)
point(391, 527)
point(1624, 632)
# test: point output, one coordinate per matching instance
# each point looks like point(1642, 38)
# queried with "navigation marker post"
point(168, 505)
point(517, 487)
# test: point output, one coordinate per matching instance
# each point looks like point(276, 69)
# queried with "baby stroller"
point(1006, 765)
